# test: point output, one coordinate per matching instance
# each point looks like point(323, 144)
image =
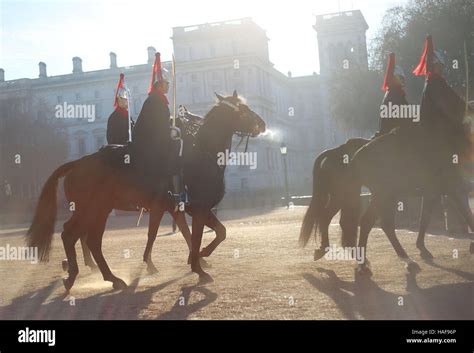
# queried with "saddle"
point(117, 156)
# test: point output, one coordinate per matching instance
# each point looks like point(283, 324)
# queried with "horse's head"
point(242, 120)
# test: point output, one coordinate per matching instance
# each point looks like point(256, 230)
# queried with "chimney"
point(151, 55)
point(76, 65)
point(289, 74)
point(2, 75)
point(113, 60)
point(42, 70)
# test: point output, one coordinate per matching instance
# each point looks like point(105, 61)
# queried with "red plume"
point(120, 85)
point(389, 80)
point(425, 65)
point(156, 75)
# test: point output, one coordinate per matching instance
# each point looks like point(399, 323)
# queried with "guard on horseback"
point(445, 112)
point(394, 87)
point(119, 124)
point(155, 143)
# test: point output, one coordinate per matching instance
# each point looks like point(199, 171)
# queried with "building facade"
point(217, 57)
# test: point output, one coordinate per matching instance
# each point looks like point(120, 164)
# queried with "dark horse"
point(331, 176)
point(189, 125)
point(96, 188)
point(398, 164)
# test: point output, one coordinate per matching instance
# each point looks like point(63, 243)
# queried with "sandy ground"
point(259, 273)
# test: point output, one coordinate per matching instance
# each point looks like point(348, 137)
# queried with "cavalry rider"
point(154, 140)
point(442, 110)
point(118, 126)
point(443, 113)
point(394, 87)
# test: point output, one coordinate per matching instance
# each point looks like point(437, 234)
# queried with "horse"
point(98, 187)
point(189, 124)
point(401, 163)
point(330, 179)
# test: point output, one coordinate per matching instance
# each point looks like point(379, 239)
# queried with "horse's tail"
point(41, 230)
point(318, 201)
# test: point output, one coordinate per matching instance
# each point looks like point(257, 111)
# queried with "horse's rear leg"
point(426, 211)
point(463, 207)
point(94, 242)
point(156, 214)
point(69, 237)
point(367, 222)
point(88, 261)
point(327, 214)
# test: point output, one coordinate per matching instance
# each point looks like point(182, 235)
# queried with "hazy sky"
point(54, 31)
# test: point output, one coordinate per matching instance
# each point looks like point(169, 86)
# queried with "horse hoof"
point(413, 267)
point(319, 253)
point(68, 283)
point(65, 265)
point(425, 254)
point(119, 284)
point(205, 278)
point(471, 248)
point(363, 270)
point(151, 270)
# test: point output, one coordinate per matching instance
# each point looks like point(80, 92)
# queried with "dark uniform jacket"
point(151, 139)
point(117, 128)
point(397, 97)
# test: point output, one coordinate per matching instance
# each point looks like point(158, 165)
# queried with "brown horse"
point(96, 187)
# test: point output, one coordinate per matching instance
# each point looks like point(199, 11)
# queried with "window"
point(78, 96)
point(96, 94)
point(244, 183)
point(81, 146)
point(59, 99)
point(194, 78)
point(213, 50)
point(98, 110)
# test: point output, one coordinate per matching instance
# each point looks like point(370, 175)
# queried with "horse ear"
point(219, 96)
point(185, 109)
point(235, 93)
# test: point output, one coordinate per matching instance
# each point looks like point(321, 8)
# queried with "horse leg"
point(88, 261)
point(367, 222)
point(94, 241)
point(387, 214)
point(426, 211)
point(327, 214)
point(465, 211)
point(69, 237)
point(216, 225)
point(200, 217)
point(156, 214)
point(179, 218)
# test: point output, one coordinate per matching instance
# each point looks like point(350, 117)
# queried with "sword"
point(140, 216)
point(466, 64)
point(173, 75)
